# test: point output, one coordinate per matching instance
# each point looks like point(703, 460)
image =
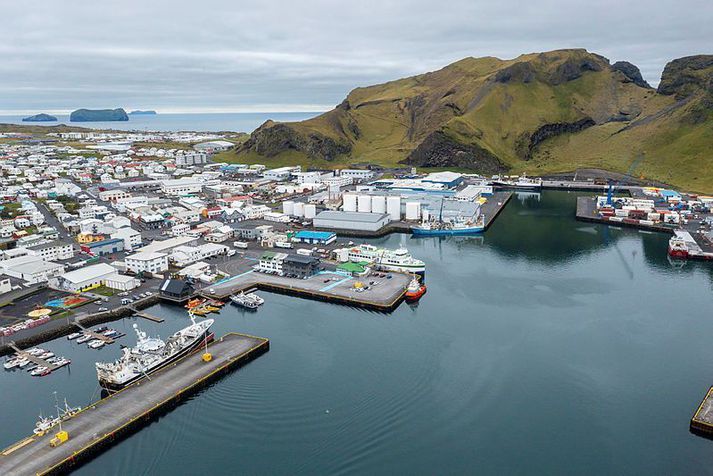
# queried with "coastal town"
point(103, 225)
point(98, 226)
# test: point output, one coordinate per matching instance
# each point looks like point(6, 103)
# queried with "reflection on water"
point(545, 346)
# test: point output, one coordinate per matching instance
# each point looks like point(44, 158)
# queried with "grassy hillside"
point(538, 113)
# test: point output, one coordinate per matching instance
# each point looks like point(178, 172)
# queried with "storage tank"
point(393, 208)
point(364, 203)
point(350, 202)
point(413, 210)
point(378, 204)
point(288, 207)
point(299, 210)
point(310, 211)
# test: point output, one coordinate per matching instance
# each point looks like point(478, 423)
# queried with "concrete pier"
point(385, 295)
point(702, 421)
point(586, 211)
point(109, 420)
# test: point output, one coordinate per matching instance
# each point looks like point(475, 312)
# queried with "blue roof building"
point(315, 237)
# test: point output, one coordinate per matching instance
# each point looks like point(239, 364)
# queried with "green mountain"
point(538, 113)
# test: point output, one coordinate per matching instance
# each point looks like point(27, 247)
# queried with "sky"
point(302, 55)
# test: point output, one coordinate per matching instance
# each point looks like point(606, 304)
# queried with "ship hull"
point(473, 230)
point(112, 387)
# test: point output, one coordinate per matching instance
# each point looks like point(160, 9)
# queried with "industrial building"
point(314, 237)
point(87, 278)
point(104, 247)
point(121, 282)
point(357, 221)
point(31, 269)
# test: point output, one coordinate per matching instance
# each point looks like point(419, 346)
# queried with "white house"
point(87, 278)
point(131, 237)
point(54, 250)
point(147, 262)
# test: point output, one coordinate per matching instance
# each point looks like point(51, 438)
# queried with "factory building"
point(314, 237)
point(104, 247)
point(356, 221)
point(87, 278)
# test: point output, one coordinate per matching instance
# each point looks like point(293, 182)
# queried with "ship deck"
point(110, 419)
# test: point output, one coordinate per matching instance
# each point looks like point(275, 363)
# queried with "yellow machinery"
point(59, 438)
point(207, 357)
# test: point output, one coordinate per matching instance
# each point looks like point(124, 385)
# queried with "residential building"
point(147, 262)
point(271, 263)
point(52, 251)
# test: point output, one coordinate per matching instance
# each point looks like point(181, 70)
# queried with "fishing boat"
point(415, 290)
point(193, 303)
point(44, 424)
point(458, 226)
point(12, 363)
point(151, 354)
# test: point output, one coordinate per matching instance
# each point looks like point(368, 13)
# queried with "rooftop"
point(351, 216)
point(88, 273)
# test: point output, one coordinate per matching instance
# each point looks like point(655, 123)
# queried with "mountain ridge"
point(537, 113)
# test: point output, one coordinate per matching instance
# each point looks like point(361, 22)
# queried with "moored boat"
point(415, 290)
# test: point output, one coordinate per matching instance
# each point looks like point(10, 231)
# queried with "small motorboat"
point(40, 371)
point(46, 355)
point(96, 343)
point(84, 338)
point(74, 335)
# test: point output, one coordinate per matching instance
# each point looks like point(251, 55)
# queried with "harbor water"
point(546, 346)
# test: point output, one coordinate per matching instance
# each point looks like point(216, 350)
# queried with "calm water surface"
point(548, 346)
point(237, 122)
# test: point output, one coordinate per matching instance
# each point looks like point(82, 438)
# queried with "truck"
point(304, 252)
point(240, 244)
point(283, 244)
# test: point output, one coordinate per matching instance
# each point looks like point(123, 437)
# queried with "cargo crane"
point(632, 167)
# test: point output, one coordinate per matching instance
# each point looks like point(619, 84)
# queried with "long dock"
point(111, 419)
point(35, 360)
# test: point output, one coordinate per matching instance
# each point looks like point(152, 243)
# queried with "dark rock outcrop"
point(529, 142)
point(440, 150)
point(522, 72)
point(40, 118)
point(631, 73)
point(270, 139)
point(685, 76)
point(573, 68)
point(98, 115)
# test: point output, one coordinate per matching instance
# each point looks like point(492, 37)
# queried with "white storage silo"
point(413, 210)
point(310, 211)
point(288, 207)
point(393, 208)
point(426, 214)
point(364, 203)
point(378, 204)
point(299, 210)
point(350, 202)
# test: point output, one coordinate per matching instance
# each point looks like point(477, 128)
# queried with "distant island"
point(98, 115)
point(143, 113)
point(40, 118)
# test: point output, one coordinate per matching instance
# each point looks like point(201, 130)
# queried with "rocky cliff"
point(42, 117)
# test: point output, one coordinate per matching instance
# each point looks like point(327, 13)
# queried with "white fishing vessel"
point(250, 300)
point(74, 335)
point(151, 354)
point(44, 424)
point(399, 260)
point(95, 344)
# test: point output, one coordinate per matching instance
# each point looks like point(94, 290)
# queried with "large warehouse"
point(88, 277)
point(358, 221)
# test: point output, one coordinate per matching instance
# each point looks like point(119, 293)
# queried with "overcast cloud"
point(230, 55)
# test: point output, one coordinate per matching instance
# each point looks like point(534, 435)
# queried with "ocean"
point(235, 122)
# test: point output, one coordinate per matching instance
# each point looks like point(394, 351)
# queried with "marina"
point(111, 419)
